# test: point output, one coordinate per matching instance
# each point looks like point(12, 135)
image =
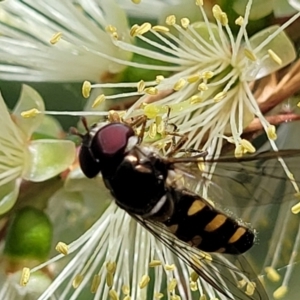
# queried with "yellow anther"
point(185, 22)
point(99, 100)
point(202, 87)
point(193, 286)
point(238, 151)
point(151, 91)
point(77, 280)
point(115, 35)
point(172, 285)
point(220, 15)
point(160, 125)
point(220, 96)
point(170, 267)
point(113, 295)
point(143, 28)
point(296, 208)
point(194, 276)
point(152, 131)
point(250, 55)
point(159, 78)
point(241, 283)
point(25, 276)
point(151, 111)
point(95, 283)
point(140, 86)
point(271, 132)
point(250, 288)
point(203, 297)
point(55, 38)
point(175, 297)
point(111, 267)
point(133, 29)
point(109, 279)
point(125, 289)
point(30, 113)
point(127, 297)
point(144, 281)
point(171, 20)
point(199, 2)
point(280, 292)
point(86, 89)
point(275, 57)
point(239, 21)
point(62, 248)
point(158, 296)
point(136, 1)
point(160, 28)
point(195, 99)
point(110, 29)
point(193, 78)
point(272, 274)
point(207, 74)
point(247, 146)
point(179, 84)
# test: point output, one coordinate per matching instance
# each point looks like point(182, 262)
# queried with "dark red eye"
point(111, 140)
point(89, 166)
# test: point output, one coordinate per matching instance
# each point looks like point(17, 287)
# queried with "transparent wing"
point(232, 276)
point(252, 180)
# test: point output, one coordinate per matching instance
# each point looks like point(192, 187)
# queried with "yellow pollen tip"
point(158, 296)
point(111, 267)
point(127, 297)
point(25, 276)
point(55, 38)
point(136, 1)
point(144, 28)
point(62, 248)
point(247, 146)
point(30, 113)
point(151, 111)
point(144, 281)
point(160, 28)
point(109, 279)
point(199, 2)
point(194, 276)
point(86, 89)
point(275, 57)
point(185, 22)
point(241, 283)
point(250, 55)
point(133, 29)
point(239, 21)
point(280, 292)
point(202, 87)
point(250, 288)
point(271, 132)
point(272, 274)
point(77, 280)
point(193, 286)
point(95, 283)
point(113, 295)
point(170, 267)
point(296, 208)
point(238, 151)
point(99, 100)
point(207, 74)
point(298, 104)
point(170, 20)
point(220, 96)
point(175, 297)
point(172, 285)
point(110, 29)
point(179, 84)
point(195, 99)
point(152, 131)
point(193, 78)
point(140, 86)
point(151, 91)
point(203, 297)
point(125, 289)
point(220, 15)
point(159, 78)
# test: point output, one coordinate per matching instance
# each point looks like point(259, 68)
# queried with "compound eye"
point(89, 166)
point(111, 139)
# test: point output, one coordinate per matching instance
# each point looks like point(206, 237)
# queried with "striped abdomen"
point(199, 224)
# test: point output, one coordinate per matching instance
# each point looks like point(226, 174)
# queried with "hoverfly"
point(145, 184)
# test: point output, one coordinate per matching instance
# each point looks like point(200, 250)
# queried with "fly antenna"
point(75, 131)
